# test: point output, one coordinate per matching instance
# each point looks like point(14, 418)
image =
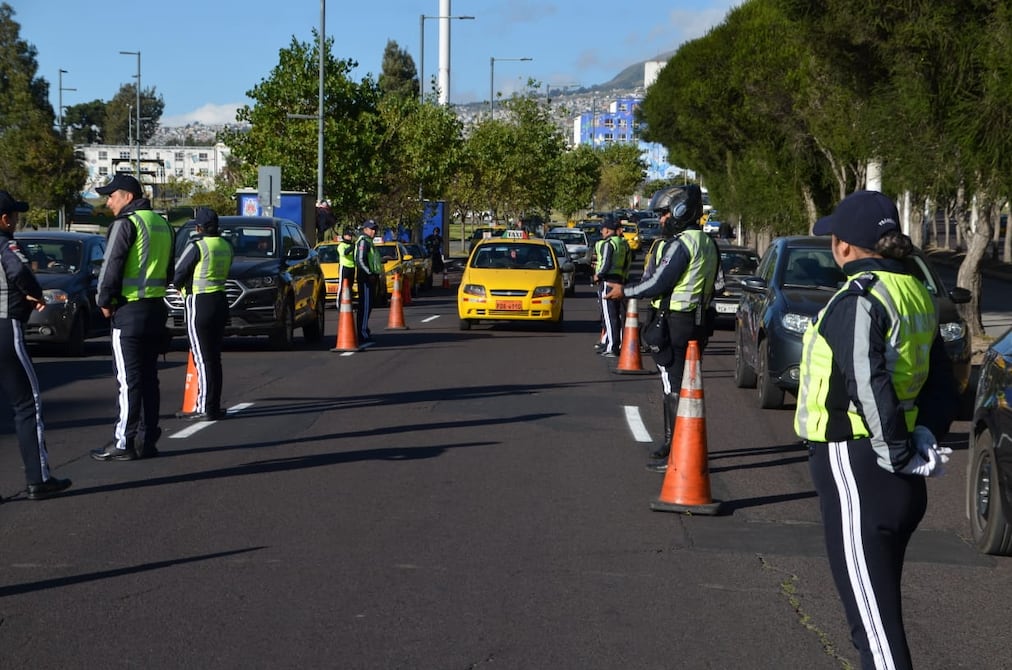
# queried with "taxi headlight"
point(54, 296)
point(261, 282)
point(544, 291)
point(796, 323)
point(952, 331)
point(477, 290)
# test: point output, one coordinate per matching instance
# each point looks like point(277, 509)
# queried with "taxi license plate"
point(509, 305)
point(726, 308)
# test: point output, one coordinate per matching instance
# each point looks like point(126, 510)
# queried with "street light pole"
point(59, 114)
point(319, 107)
point(491, 80)
point(421, 48)
point(138, 54)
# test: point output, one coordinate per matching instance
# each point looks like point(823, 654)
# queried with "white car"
point(577, 244)
point(565, 264)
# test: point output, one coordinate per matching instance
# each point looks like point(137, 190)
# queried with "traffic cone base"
point(347, 338)
point(446, 280)
point(395, 321)
point(629, 361)
point(686, 485)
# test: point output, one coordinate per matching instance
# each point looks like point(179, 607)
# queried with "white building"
point(158, 164)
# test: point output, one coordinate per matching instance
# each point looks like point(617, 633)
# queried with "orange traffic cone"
point(686, 485)
point(396, 319)
point(446, 278)
point(190, 389)
point(407, 285)
point(629, 361)
point(347, 337)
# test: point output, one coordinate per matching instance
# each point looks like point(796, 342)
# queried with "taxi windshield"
point(513, 257)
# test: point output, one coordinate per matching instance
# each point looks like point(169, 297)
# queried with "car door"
point(752, 309)
point(299, 268)
point(94, 254)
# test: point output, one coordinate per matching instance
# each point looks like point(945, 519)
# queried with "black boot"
point(670, 411)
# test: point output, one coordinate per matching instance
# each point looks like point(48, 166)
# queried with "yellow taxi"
point(397, 259)
point(631, 233)
point(331, 266)
point(508, 279)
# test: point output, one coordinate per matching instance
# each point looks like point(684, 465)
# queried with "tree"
point(121, 118)
point(399, 76)
point(84, 122)
point(622, 171)
point(36, 164)
point(579, 174)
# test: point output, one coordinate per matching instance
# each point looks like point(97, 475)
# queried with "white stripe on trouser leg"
point(609, 335)
point(199, 361)
point(26, 363)
point(665, 379)
point(123, 399)
point(853, 545)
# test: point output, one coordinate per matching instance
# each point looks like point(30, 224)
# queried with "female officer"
point(872, 357)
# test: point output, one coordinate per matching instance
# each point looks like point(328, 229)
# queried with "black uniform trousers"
point(868, 515)
point(206, 317)
point(682, 329)
point(611, 319)
point(364, 307)
point(137, 336)
point(21, 386)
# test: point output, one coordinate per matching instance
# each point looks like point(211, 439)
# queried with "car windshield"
point(388, 252)
point(567, 236)
point(812, 267)
point(246, 240)
point(559, 246)
point(513, 257)
point(52, 256)
point(736, 262)
point(327, 253)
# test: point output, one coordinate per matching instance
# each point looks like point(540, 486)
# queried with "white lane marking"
point(635, 423)
point(430, 318)
point(201, 425)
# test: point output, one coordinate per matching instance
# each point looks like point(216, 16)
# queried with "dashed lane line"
point(201, 425)
point(635, 423)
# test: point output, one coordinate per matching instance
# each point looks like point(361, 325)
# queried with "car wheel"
point(744, 376)
point(560, 325)
point(465, 324)
point(313, 332)
point(283, 337)
point(989, 526)
point(75, 342)
point(771, 396)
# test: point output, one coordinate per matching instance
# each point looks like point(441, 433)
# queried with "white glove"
point(929, 459)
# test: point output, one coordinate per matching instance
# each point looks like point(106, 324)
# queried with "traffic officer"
point(346, 261)
point(368, 266)
point(613, 260)
point(131, 294)
point(200, 275)
point(20, 293)
point(876, 386)
point(685, 269)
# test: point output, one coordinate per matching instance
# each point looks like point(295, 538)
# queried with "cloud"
point(209, 114)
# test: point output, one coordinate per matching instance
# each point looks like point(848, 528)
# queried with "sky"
point(202, 56)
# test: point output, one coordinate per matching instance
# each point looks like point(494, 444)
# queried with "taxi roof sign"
point(514, 235)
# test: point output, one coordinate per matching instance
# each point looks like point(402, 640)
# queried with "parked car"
point(631, 233)
point(67, 266)
point(795, 279)
point(989, 466)
point(736, 262)
point(576, 243)
point(331, 267)
point(511, 280)
point(650, 230)
point(483, 234)
point(275, 285)
point(422, 262)
point(566, 264)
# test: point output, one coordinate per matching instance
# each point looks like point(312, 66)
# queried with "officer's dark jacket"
point(17, 281)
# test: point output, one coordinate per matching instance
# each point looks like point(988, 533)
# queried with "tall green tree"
point(622, 171)
point(36, 164)
point(398, 77)
point(84, 121)
point(579, 175)
point(120, 123)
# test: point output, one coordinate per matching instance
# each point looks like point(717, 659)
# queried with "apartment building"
point(158, 164)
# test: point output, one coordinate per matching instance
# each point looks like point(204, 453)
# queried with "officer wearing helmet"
point(685, 270)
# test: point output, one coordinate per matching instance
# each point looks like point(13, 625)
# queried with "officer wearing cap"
point(200, 275)
point(20, 293)
point(368, 266)
point(613, 260)
point(131, 293)
point(685, 271)
point(871, 364)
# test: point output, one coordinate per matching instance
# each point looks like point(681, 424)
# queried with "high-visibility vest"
point(695, 286)
point(619, 256)
point(346, 254)
point(374, 258)
point(145, 272)
point(913, 326)
point(211, 272)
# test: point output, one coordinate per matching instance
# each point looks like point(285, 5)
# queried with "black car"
point(795, 279)
point(275, 285)
point(989, 471)
point(67, 266)
point(650, 230)
point(736, 262)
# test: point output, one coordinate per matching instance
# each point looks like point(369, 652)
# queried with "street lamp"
point(138, 75)
point(421, 48)
point(491, 80)
point(59, 114)
point(319, 107)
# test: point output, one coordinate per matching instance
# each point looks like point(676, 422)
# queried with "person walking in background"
point(131, 294)
point(20, 293)
point(613, 261)
point(368, 266)
point(434, 247)
point(326, 224)
point(875, 388)
point(200, 275)
point(682, 282)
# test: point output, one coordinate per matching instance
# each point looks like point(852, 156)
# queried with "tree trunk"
point(1006, 252)
point(976, 230)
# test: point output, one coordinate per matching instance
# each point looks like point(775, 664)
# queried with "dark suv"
point(275, 284)
point(795, 279)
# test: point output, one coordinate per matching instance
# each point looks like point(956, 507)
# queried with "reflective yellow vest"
point(619, 256)
point(145, 273)
point(913, 325)
point(211, 272)
point(695, 286)
point(346, 254)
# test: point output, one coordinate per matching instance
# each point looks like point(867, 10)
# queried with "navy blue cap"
point(861, 219)
point(207, 219)
point(121, 182)
point(369, 223)
point(8, 204)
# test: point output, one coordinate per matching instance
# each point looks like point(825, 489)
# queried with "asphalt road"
point(448, 499)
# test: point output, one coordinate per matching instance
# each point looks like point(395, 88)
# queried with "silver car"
point(577, 244)
point(565, 264)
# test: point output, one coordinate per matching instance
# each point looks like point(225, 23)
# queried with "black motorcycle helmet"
point(685, 204)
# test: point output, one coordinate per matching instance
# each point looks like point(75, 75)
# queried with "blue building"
point(618, 125)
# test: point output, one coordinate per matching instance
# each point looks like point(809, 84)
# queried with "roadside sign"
point(269, 187)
